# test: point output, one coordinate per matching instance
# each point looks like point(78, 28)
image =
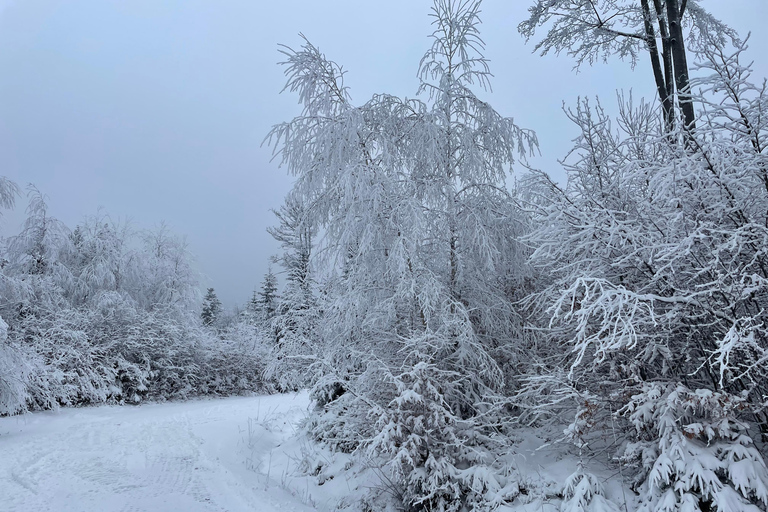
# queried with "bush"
point(694, 452)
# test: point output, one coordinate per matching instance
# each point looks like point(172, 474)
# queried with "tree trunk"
point(677, 44)
point(665, 95)
point(666, 52)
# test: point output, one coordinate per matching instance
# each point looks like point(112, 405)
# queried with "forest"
point(441, 295)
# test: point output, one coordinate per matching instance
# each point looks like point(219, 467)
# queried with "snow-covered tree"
point(98, 258)
point(416, 219)
point(14, 369)
point(13, 377)
point(211, 308)
point(296, 320)
point(268, 297)
point(656, 252)
point(694, 452)
point(92, 318)
point(35, 251)
point(251, 309)
point(592, 30)
point(8, 193)
point(169, 279)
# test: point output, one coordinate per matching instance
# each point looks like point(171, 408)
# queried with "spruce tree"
point(267, 296)
point(296, 319)
point(211, 307)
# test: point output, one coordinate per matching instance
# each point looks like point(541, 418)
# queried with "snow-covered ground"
point(203, 455)
point(231, 454)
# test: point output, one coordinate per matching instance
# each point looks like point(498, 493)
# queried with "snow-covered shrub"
point(656, 253)
point(421, 438)
point(337, 424)
point(583, 492)
point(15, 367)
point(100, 314)
point(235, 363)
point(439, 459)
point(72, 371)
point(694, 452)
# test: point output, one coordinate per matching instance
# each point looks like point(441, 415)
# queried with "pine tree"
point(211, 308)
point(267, 297)
point(252, 309)
point(296, 319)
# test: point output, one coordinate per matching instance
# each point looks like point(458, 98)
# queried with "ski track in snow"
point(185, 457)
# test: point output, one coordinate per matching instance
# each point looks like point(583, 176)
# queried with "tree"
point(14, 367)
point(8, 192)
point(36, 249)
point(251, 311)
point(169, 280)
point(267, 297)
point(411, 198)
point(694, 451)
point(211, 308)
point(598, 29)
point(296, 319)
point(659, 289)
point(295, 233)
point(98, 258)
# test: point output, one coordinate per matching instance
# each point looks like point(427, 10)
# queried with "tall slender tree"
point(295, 323)
point(412, 200)
point(13, 377)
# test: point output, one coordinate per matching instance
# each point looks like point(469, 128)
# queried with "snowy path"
point(189, 457)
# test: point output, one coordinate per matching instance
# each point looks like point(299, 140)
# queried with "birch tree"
point(411, 197)
point(14, 371)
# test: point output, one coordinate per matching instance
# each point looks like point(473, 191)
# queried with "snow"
point(231, 454)
point(202, 455)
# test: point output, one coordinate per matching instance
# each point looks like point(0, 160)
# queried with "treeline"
point(443, 307)
point(105, 314)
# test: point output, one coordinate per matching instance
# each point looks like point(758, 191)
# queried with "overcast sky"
point(156, 109)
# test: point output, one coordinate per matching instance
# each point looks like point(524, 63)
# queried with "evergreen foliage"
point(296, 319)
point(267, 297)
point(211, 308)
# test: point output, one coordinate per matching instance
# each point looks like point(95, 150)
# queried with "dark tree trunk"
point(662, 85)
point(681, 64)
point(666, 53)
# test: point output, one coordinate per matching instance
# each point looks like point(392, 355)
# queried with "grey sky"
point(156, 110)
